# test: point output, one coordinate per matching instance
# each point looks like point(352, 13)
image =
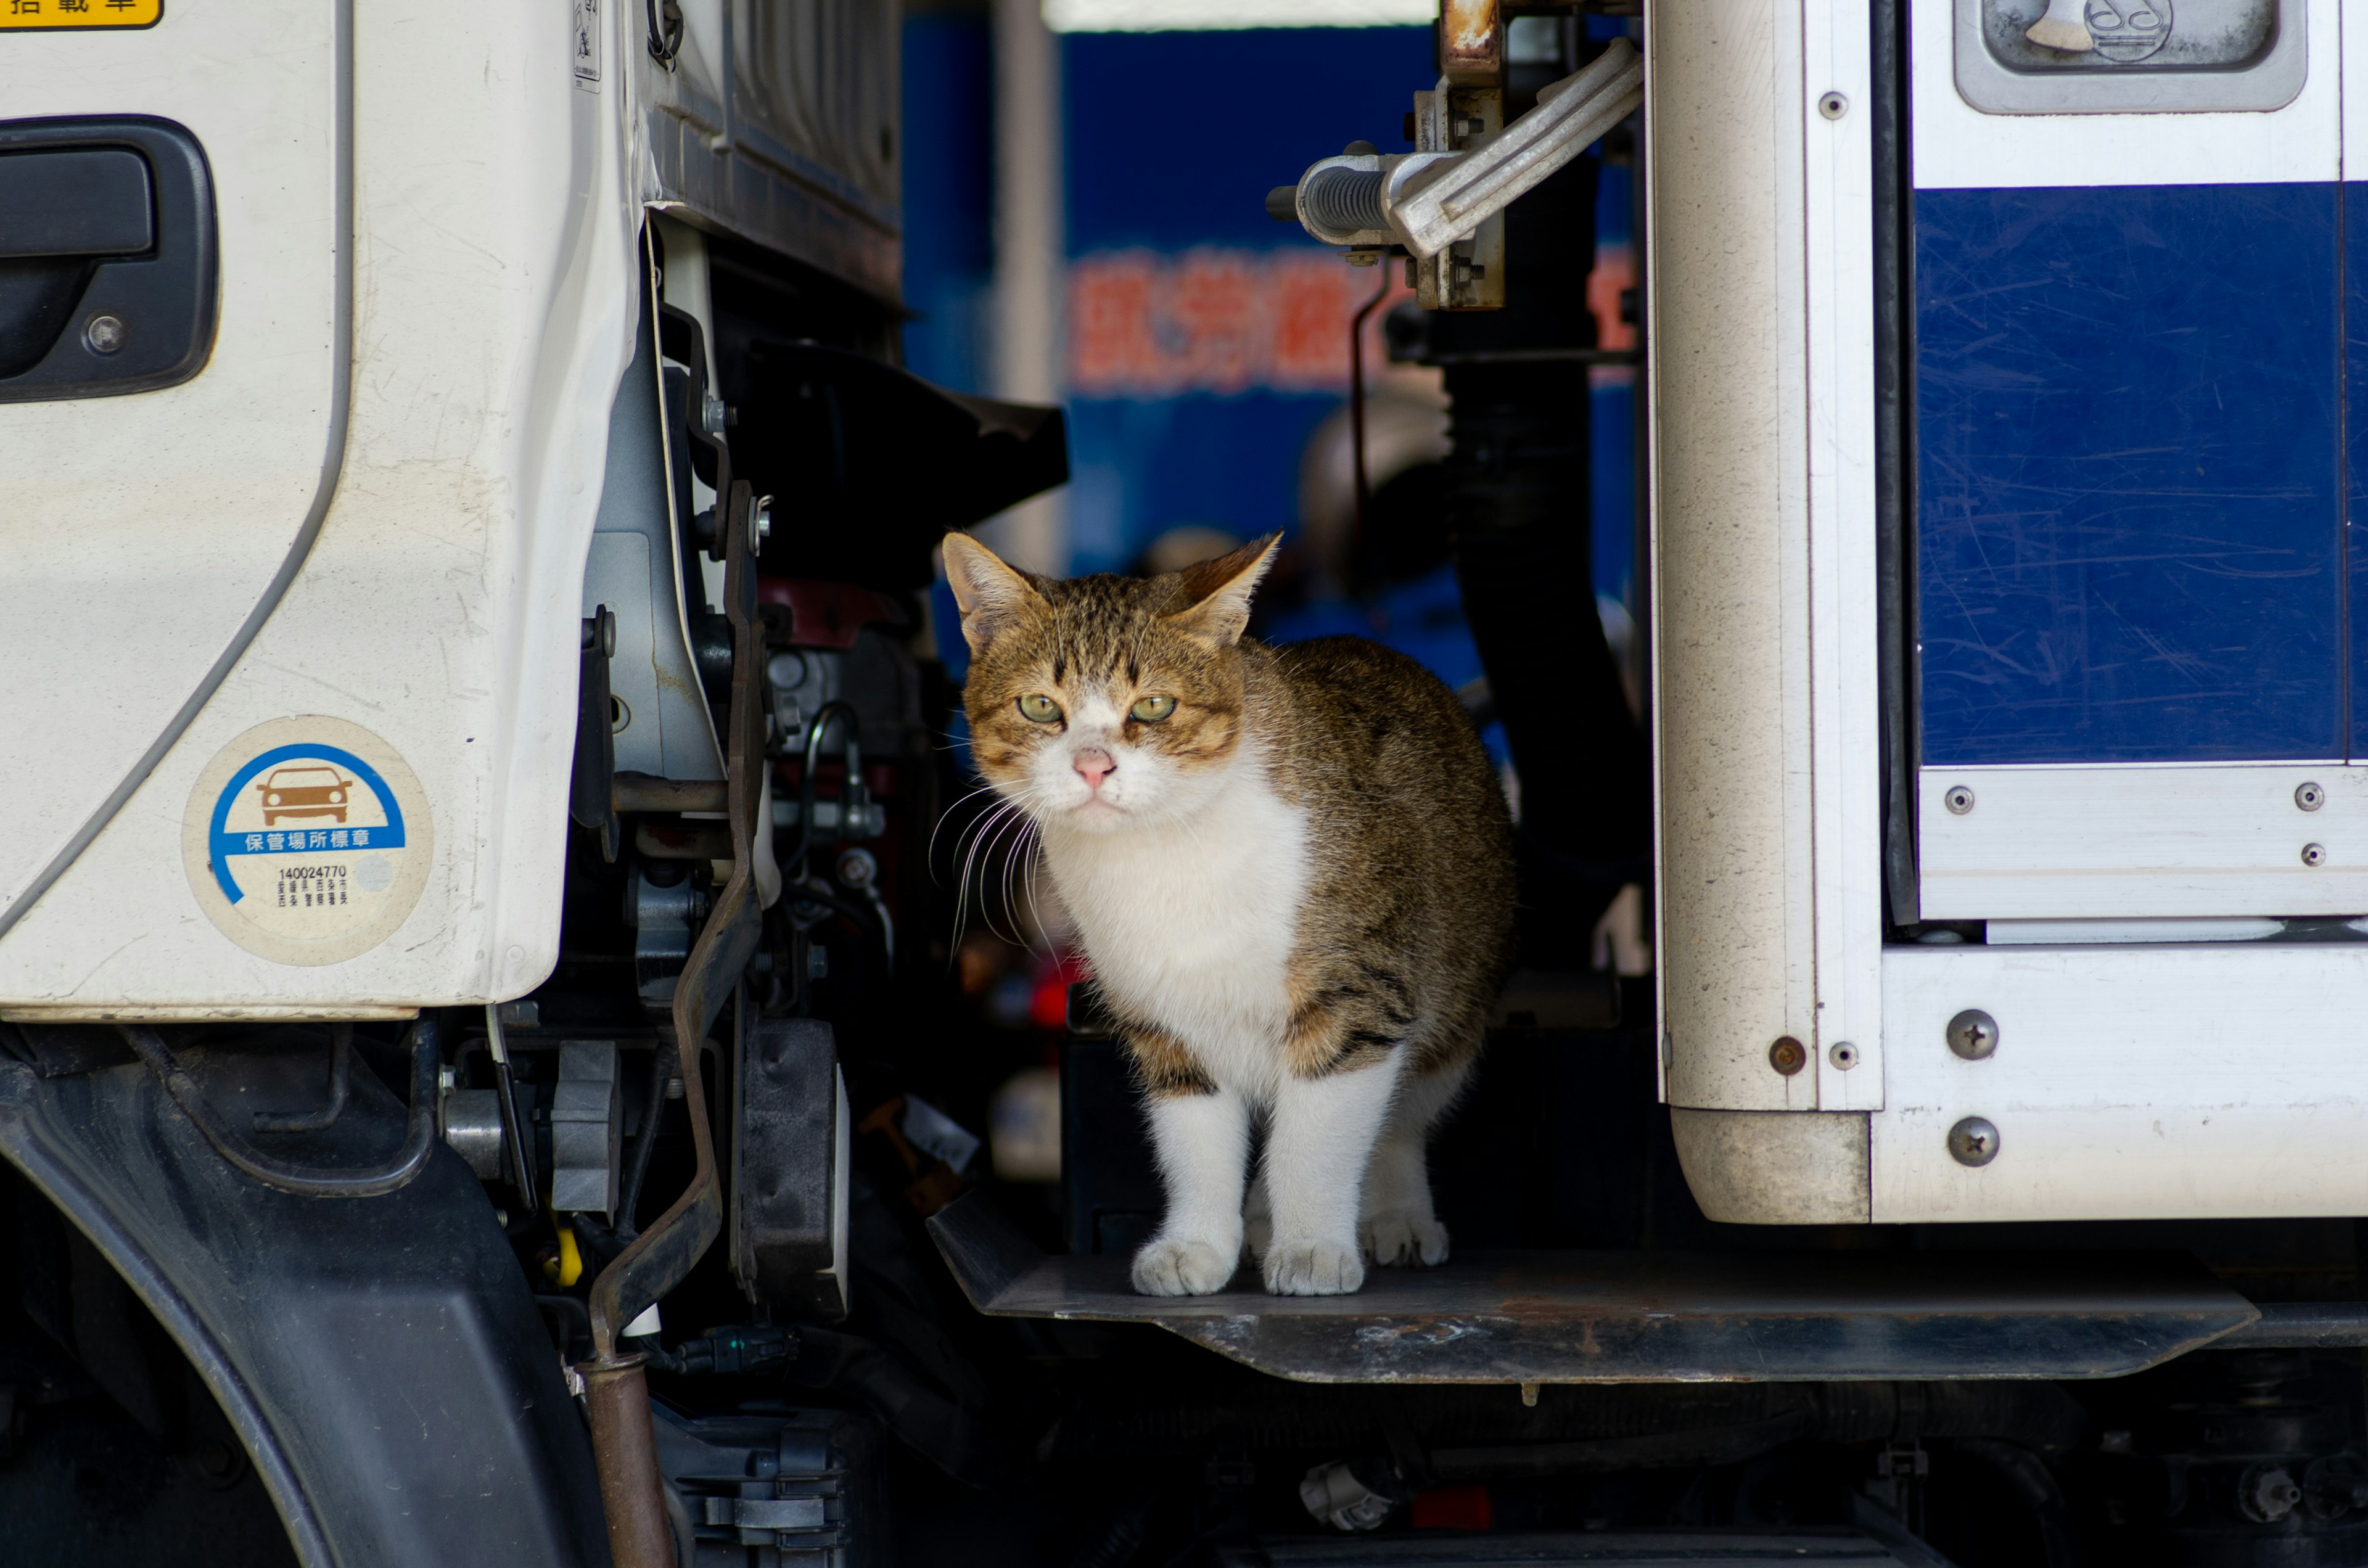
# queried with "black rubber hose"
point(304, 1181)
point(637, 1169)
point(2033, 1486)
point(850, 724)
point(341, 1057)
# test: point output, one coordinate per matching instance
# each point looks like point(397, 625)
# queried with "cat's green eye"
point(1152, 709)
point(1039, 709)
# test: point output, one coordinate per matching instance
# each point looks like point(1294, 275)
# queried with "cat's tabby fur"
point(1295, 891)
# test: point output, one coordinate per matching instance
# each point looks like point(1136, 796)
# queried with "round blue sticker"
point(306, 840)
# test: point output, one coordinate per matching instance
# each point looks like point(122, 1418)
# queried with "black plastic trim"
point(1893, 464)
point(167, 297)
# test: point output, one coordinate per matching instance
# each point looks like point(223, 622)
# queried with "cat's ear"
point(1219, 592)
point(991, 596)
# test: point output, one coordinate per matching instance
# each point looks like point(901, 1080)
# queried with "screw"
point(857, 868)
point(1833, 106)
point(105, 334)
point(1363, 257)
point(2314, 854)
point(1973, 1034)
point(1974, 1142)
point(1959, 800)
point(764, 518)
point(1788, 1055)
point(1844, 1056)
point(2309, 796)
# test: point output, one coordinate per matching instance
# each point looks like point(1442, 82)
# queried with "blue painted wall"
point(1173, 140)
point(949, 195)
point(2129, 530)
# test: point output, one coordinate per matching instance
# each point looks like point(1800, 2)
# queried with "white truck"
point(475, 986)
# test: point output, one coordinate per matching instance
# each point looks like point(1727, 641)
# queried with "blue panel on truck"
point(2355, 435)
point(2129, 540)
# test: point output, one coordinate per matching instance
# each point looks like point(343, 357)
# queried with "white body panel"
point(136, 532)
point(2165, 1052)
point(1765, 711)
point(2151, 841)
point(2157, 1083)
point(494, 268)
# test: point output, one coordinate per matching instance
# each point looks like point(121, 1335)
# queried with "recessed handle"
point(84, 202)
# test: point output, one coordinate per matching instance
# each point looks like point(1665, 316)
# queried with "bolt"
point(1359, 148)
point(2314, 854)
point(764, 518)
point(2309, 796)
point(1973, 1034)
point(857, 869)
point(1363, 258)
point(105, 334)
point(1844, 1056)
point(1833, 106)
point(1959, 800)
point(2267, 1493)
point(1974, 1142)
point(1788, 1055)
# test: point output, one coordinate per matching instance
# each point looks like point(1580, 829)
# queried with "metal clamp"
point(1427, 201)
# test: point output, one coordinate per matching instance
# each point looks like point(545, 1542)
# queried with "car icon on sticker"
point(304, 791)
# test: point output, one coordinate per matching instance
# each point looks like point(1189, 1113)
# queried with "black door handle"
point(108, 257)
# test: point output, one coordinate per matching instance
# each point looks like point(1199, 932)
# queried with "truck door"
point(2139, 305)
point(172, 348)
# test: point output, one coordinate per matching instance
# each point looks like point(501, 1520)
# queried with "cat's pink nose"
point(1093, 766)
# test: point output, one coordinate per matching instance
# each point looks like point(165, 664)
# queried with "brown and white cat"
point(1291, 872)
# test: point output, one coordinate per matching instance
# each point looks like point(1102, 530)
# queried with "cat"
point(1291, 869)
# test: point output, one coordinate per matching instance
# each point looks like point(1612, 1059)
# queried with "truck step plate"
point(1577, 1317)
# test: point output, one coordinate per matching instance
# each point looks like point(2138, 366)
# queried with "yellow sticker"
point(36, 16)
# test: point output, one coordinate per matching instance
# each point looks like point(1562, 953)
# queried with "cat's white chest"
point(1191, 924)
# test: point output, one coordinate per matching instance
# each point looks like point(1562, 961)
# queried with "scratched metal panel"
point(2128, 534)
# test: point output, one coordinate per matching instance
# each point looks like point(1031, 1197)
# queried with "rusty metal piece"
point(625, 1450)
point(663, 1255)
point(646, 792)
point(1471, 43)
point(1788, 1055)
point(1610, 1317)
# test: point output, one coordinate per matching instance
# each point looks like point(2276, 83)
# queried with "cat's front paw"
point(1183, 1267)
point(1398, 1236)
point(1313, 1269)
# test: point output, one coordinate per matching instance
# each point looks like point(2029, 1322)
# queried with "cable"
point(341, 1056)
point(332, 462)
point(304, 1181)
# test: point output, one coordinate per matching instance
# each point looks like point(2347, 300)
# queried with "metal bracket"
point(1429, 201)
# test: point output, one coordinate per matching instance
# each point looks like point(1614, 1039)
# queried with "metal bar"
point(642, 793)
point(2300, 1326)
point(663, 1255)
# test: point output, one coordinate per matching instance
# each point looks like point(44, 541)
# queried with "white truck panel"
point(494, 299)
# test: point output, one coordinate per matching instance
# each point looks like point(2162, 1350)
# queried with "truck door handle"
point(108, 257)
point(76, 201)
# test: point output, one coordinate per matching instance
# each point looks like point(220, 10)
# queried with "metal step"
point(1581, 1317)
point(1835, 1548)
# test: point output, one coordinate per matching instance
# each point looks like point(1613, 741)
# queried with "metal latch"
point(1427, 201)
